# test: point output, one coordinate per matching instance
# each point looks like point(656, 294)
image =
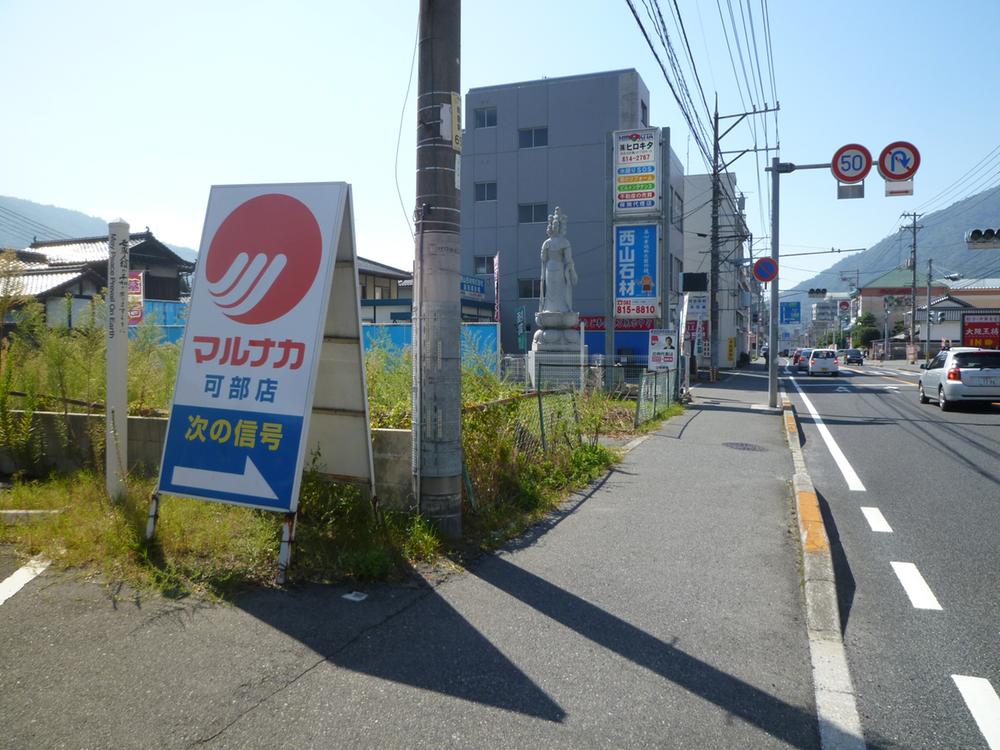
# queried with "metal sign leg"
point(154, 514)
point(285, 554)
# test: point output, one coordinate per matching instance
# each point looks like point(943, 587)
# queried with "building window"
point(532, 137)
point(484, 264)
point(677, 210)
point(643, 114)
point(529, 288)
point(486, 117)
point(486, 191)
point(532, 213)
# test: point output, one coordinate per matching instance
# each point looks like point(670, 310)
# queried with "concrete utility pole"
point(713, 279)
point(437, 394)
point(927, 333)
point(913, 286)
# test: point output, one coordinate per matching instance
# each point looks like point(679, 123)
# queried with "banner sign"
point(636, 259)
point(981, 329)
point(241, 408)
point(473, 287)
point(496, 287)
point(789, 313)
point(636, 175)
point(136, 297)
point(598, 323)
point(662, 349)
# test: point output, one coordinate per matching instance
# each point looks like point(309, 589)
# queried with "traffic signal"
point(983, 239)
point(817, 292)
point(940, 316)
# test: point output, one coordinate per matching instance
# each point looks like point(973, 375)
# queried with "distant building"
point(52, 270)
point(531, 146)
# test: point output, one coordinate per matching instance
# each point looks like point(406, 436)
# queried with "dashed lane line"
point(854, 482)
point(984, 705)
point(921, 596)
point(876, 520)
point(21, 577)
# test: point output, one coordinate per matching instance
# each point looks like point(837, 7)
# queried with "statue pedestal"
point(554, 369)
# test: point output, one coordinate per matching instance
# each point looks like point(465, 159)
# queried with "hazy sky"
point(135, 109)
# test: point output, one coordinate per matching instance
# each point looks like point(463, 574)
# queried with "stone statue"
point(558, 271)
point(557, 322)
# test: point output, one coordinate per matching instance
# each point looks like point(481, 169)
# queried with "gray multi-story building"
point(529, 147)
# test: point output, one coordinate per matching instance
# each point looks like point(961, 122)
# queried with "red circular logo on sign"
point(263, 258)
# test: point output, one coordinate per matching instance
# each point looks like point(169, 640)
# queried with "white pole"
point(583, 371)
point(116, 398)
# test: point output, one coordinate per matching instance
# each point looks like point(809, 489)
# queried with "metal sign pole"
point(285, 554)
point(116, 409)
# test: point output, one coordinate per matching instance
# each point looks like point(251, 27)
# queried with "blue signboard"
point(473, 287)
point(789, 313)
point(636, 260)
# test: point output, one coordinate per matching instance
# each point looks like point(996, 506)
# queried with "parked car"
point(962, 374)
point(823, 361)
point(853, 356)
point(802, 364)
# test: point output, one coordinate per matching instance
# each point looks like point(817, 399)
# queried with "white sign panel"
point(662, 349)
point(240, 416)
point(636, 172)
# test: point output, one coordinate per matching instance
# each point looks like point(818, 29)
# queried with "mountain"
point(942, 239)
point(22, 222)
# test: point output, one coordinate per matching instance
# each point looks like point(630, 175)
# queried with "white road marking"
point(20, 577)
point(876, 520)
point(850, 476)
point(915, 586)
point(984, 705)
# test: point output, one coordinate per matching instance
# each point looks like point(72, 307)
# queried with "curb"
point(13, 517)
point(836, 703)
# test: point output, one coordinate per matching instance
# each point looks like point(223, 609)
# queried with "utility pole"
point(718, 165)
point(927, 335)
point(437, 395)
point(713, 281)
point(913, 289)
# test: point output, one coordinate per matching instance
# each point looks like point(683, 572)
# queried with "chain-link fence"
point(501, 436)
point(656, 392)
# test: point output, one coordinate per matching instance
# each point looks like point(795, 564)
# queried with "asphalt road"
point(934, 479)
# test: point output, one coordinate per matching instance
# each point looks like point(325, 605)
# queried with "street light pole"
point(776, 169)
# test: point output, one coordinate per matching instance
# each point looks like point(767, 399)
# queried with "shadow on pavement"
point(789, 723)
point(422, 642)
point(841, 567)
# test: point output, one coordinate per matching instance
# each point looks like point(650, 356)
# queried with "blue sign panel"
point(473, 287)
point(636, 292)
point(230, 455)
point(789, 313)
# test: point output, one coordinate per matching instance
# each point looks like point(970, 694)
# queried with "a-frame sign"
point(272, 366)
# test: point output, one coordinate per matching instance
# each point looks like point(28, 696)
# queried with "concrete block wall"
point(69, 442)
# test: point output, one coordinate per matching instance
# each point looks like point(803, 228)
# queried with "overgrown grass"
point(216, 549)
point(211, 548)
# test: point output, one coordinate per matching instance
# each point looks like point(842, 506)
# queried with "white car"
point(824, 362)
point(961, 374)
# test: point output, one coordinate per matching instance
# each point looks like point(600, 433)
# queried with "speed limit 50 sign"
point(851, 163)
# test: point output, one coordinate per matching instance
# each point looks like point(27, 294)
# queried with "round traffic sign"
point(765, 270)
point(898, 161)
point(851, 163)
point(844, 305)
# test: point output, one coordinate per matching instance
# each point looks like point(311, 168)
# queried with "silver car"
point(961, 374)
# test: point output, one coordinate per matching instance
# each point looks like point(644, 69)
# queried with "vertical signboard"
point(636, 173)
point(636, 292)
point(116, 361)
point(255, 340)
point(136, 297)
point(981, 329)
point(662, 349)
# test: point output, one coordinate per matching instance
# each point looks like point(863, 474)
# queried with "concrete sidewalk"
point(659, 609)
